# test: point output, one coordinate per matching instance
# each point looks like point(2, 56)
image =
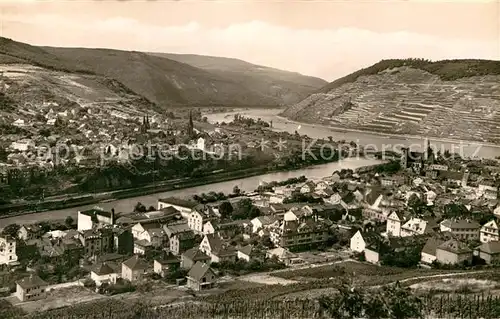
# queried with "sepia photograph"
point(249, 159)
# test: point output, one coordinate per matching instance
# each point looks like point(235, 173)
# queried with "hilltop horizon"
point(325, 40)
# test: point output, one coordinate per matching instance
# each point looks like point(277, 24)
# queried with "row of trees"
point(291, 181)
point(248, 121)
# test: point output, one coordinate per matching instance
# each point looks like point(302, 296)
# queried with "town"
point(51, 156)
point(424, 210)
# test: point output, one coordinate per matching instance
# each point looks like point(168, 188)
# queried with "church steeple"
point(190, 124)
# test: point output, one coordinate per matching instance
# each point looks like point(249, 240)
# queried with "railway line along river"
point(250, 183)
point(246, 184)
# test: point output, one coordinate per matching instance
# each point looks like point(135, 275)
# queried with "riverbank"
point(247, 183)
point(37, 207)
point(392, 135)
point(12, 210)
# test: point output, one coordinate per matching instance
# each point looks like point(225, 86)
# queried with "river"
point(246, 184)
point(374, 140)
point(250, 183)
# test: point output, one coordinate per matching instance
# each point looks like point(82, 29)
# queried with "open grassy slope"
point(161, 80)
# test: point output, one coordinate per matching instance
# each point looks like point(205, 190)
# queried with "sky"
point(327, 39)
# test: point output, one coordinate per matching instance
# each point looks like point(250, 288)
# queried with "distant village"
point(432, 211)
point(77, 142)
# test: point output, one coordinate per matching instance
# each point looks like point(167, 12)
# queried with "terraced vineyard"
point(406, 100)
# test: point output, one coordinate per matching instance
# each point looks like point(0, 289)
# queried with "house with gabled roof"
point(175, 228)
point(31, 288)
point(199, 216)
point(262, 222)
point(453, 252)
point(103, 273)
point(496, 211)
point(29, 232)
point(193, 255)
point(283, 255)
point(418, 226)
point(489, 252)
point(152, 233)
point(181, 242)
point(428, 253)
point(464, 229)
point(200, 277)
point(245, 252)
point(297, 213)
point(489, 232)
point(210, 227)
point(93, 218)
point(394, 222)
point(307, 187)
point(212, 246)
point(184, 206)
point(134, 268)
point(167, 263)
point(360, 240)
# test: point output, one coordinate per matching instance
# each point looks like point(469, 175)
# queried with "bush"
point(89, 283)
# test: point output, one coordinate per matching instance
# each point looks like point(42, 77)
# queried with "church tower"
point(190, 130)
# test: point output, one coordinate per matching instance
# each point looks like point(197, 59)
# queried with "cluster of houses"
point(441, 238)
point(374, 210)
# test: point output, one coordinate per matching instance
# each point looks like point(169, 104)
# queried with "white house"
point(196, 221)
point(134, 269)
point(394, 222)
point(31, 288)
point(19, 123)
point(209, 227)
point(93, 218)
point(428, 254)
point(360, 240)
point(7, 251)
point(152, 233)
point(200, 144)
point(463, 229)
point(245, 252)
point(261, 222)
point(51, 122)
point(496, 212)
point(430, 197)
point(210, 244)
point(103, 273)
point(296, 213)
point(321, 185)
point(185, 207)
point(357, 243)
point(415, 227)
point(487, 190)
point(489, 232)
point(334, 199)
point(22, 145)
point(308, 187)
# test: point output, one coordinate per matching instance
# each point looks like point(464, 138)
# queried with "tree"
point(253, 212)
point(236, 190)
point(225, 209)
point(11, 230)
point(416, 204)
point(243, 209)
point(403, 304)
point(69, 221)
point(139, 208)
